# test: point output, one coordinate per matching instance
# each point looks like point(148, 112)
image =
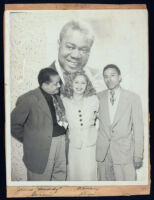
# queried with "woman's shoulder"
point(93, 101)
point(66, 100)
point(92, 98)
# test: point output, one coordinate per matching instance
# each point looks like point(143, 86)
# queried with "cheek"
point(63, 52)
point(84, 58)
point(84, 86)
point(105, 80)
point(115, 80)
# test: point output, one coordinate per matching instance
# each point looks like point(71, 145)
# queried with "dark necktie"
point(112, 98)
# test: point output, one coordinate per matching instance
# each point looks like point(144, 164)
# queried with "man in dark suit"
point(36, 121)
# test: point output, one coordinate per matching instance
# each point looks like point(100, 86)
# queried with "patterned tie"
point(60, 112)
point(112, 99)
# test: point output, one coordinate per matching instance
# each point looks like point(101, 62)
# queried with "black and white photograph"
point(76, 97)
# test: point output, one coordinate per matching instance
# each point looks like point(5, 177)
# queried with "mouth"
point(72, 64)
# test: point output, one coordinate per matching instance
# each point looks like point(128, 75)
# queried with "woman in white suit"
point(81, 105)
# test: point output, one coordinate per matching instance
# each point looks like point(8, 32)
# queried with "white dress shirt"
point(113, 108)
point(60, 71)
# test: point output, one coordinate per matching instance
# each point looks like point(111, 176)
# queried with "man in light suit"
point(35, 121)
point(119, 149)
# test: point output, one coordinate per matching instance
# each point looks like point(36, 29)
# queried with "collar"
point(59, 70)
point(46, 95)
point(117, 91)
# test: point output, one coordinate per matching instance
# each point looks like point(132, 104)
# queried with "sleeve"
point(64, 100)
point(95, 103)
point(138, 127)
point(18, 118)
point(65, 103)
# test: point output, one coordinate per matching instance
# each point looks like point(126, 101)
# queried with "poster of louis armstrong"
point(76, 97)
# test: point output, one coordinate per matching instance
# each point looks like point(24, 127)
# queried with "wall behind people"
point(120, 38)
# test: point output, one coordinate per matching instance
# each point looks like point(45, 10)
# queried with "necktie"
point(60, 113)
point(67, 76)
point(112, 99)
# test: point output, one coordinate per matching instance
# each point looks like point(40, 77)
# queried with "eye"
point(85, 50)
point(70, 47)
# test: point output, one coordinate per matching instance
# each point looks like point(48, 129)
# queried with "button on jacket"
point(81, 121)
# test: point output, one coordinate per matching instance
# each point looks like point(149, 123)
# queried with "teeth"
point(72, 62)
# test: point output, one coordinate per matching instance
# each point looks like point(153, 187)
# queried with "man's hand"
point(138, 162)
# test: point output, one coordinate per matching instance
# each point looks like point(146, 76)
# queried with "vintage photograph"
point(76, 97)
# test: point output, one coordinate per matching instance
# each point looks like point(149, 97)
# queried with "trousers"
point(56, 166)
point(108, 171)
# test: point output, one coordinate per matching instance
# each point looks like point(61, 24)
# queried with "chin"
point(71, 69)
point(79, 92)
point(111, 88)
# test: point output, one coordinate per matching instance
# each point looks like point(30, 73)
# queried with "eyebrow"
point(84, 47)
point(110, 74)
point(70, 43)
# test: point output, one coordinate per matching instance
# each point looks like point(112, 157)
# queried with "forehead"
point(76, 36)
point(54, 78)
point(110, 71)
point(80, 78)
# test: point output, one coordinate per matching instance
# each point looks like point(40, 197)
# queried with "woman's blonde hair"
point(67, 89)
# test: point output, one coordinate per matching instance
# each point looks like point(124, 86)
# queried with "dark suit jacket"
point(31, 124)
point(124, 136)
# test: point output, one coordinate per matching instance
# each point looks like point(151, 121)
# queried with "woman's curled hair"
point(67, 89)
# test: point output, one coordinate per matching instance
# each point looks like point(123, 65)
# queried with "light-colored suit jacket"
point(32, 124)
point(124, 137)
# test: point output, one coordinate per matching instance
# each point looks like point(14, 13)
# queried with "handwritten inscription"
point(87, 190)
point(38, 191)
point(41, 191)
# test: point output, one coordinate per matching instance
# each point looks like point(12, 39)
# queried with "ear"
point(58, 43)
point(120, 78)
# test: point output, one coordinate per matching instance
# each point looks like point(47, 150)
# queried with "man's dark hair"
point(112, 66)
point(45, 74)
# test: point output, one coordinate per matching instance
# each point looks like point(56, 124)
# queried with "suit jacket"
point(124, 137)
point(53, 66)
point(32, 124)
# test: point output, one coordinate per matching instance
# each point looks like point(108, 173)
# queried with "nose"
point(109, 79)
point(58, 85)
point(75, 54)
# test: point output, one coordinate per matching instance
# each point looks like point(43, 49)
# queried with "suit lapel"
point(43, 103)
point(122, 104)
point(105, 108)
point(53, 66)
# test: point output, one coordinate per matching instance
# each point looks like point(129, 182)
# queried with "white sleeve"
point(95, 103)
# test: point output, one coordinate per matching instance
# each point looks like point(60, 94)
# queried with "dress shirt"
point(113, 108)
point(60, 71)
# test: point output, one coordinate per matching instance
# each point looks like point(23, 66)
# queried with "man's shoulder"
point(53, 65)
point(102, 94)
point(131, 95)
point(30, 95)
